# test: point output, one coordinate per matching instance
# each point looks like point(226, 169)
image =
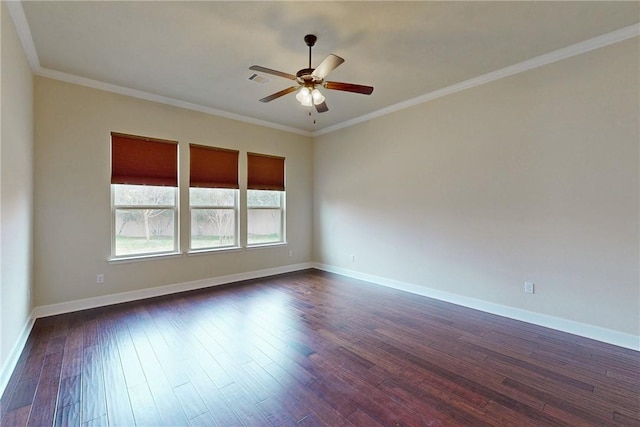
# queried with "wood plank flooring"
point(311, 348)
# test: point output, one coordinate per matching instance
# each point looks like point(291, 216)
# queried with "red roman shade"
point(265, 172)
point(137, 160)
point(213, 167)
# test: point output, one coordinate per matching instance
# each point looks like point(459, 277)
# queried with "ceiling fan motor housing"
point(305, 77)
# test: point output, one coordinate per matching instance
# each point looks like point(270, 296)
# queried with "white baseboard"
point(582, 329)
point(83, 304)
point(14, 355)
point(576, 328)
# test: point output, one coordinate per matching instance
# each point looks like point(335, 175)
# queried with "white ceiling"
point(198, 53)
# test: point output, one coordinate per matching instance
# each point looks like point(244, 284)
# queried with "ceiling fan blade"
point(349, 87)
point(273, 72)
point(279, 94)
point(330, 63)
point(322, 107)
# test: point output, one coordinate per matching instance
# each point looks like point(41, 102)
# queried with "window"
point(145, 198)
point(265, 199)
point(213, 197)
point(265, 219)
point(144, 195)
point(145, 219)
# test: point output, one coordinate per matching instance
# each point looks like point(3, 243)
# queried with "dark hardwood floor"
point(313, 348)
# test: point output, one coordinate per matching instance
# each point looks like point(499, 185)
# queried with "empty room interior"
point(320, 213)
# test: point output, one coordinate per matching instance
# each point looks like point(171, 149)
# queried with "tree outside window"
point(144, 218)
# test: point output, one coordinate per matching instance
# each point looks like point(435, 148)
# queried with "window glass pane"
point(212, 197)
point(263, 198)
point(144, 231)
point(211, 228)
point(264, 226)
point(128, 195)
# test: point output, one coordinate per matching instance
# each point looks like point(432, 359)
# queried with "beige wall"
point(530, 178)
point(16, 189)
point(72, 196)
point(533, 177)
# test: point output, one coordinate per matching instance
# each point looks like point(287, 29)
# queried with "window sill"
point(266, 245)
point(136, 258)
point(198, 252)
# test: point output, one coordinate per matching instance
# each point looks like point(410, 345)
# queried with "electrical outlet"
point(528, 287)
point(290, 253)
point(100, 279)
point(353, 258)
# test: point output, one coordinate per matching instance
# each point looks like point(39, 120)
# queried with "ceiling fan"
point(308, 78)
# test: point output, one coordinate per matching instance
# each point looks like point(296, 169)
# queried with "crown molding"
point(24, 32)
point(122, 90)
point(538, 61)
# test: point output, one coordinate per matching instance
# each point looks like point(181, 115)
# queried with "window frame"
point(176, 225)
point(141, 161)
point(283, 221)
point(264, 173)
point(214, 168)
point(236, 215)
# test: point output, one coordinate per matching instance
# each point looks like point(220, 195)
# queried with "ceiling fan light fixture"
point(318, 98)
point(304, 96)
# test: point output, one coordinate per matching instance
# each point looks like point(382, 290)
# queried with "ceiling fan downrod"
point(310, 40)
